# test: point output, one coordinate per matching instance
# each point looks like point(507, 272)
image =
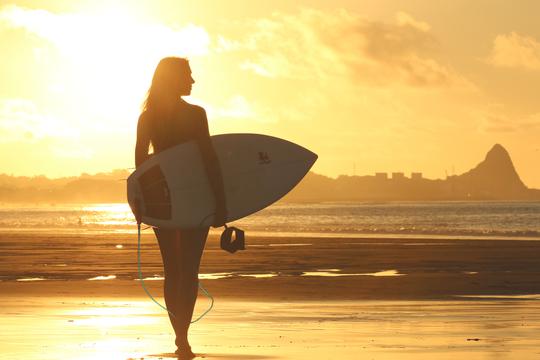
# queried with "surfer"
point(168, 120)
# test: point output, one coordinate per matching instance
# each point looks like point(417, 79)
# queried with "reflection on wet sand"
point(259, 276)
point(334, 272)
point(503, 297)
point(151, 278)
point(31, 279)
point(405, 330)
point(103, 277)
point(215, 276)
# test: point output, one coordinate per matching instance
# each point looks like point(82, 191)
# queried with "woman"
point(167, 120)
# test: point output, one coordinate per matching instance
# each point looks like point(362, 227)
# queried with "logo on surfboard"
point(264, 158)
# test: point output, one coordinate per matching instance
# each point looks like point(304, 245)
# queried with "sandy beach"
point(282, 298)
point(132, 328)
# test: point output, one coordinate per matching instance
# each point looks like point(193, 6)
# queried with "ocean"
point(99, 242)
point(373, 219)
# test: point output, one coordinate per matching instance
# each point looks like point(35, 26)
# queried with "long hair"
point(161, 96)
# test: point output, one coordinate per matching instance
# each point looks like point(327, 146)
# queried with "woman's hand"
point(220, 217)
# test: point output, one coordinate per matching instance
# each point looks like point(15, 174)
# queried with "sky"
point(370, 86)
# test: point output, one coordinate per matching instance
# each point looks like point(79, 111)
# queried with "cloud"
point(404, 19)
point(495, 123)
point(531, 122)
point(72, 151)
point(77, 34)
point(21, 120)
point(24, 126)
point(321, 45)
point(239, 109)
point(515, 51)
point(494, 120)
point(104, 58)
point(100, 64)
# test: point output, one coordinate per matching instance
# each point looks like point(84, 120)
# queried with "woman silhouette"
point(168, 120)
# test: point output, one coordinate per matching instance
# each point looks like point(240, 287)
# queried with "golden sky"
point(370, 86)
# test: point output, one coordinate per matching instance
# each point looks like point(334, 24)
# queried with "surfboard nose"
point(312, 156)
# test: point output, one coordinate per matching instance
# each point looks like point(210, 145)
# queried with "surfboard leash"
point(140, 271)
point(148, 292)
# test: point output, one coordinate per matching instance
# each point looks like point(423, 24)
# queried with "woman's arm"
point(143, 142)
point(213, 170)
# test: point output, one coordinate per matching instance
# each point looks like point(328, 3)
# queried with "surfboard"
point(172, 189)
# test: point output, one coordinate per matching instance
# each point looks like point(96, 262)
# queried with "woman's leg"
point(181, 251)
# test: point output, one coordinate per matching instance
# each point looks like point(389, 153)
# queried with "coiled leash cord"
point(150, 295)
point(227, 243)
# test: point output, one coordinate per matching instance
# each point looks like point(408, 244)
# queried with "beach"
point(76, 295)
point(133, 328)
point(381, 157)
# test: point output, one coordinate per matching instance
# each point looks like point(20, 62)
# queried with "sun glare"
point(108, 56)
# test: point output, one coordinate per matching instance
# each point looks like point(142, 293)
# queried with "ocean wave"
point(503, 219)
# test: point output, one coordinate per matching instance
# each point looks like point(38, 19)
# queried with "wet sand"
point(320, 299)
point(101, 328)
point(298, 268)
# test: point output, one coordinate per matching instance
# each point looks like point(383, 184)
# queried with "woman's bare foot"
point(185, 353)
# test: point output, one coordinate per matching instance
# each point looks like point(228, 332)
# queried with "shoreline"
point(269, 234)
point(288, 268)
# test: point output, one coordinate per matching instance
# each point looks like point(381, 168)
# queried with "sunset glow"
point(369, 86)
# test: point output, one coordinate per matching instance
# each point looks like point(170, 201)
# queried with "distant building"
point(381, 176)
point(398, 175)
point(416, 176)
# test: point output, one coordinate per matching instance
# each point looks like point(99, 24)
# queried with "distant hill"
point(97, 188)
point(494, 178)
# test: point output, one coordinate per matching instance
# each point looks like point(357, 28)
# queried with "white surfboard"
point(173, 190)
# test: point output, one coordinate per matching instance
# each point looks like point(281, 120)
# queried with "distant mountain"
point(495, 178)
